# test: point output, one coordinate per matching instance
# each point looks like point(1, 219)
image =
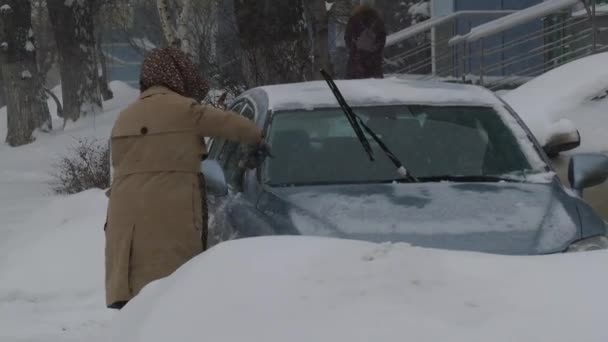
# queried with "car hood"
point(505, 218)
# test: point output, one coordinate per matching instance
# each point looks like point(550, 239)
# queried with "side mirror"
point(564, 137)
point(215, 179)
point(587, 170)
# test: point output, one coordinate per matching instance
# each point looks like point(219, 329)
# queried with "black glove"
point(255, 155)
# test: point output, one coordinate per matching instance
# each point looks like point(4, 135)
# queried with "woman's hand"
point(255, 155)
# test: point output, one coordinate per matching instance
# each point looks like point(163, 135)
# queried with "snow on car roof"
point(369, 92)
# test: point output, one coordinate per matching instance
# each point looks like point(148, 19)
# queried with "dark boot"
point(118, 305)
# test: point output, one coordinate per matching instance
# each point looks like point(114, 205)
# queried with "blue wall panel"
point(499, 62)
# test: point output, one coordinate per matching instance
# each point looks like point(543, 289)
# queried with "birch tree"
point(73, 25)
point(316, 13)
point(27, 109)
point(177, 31)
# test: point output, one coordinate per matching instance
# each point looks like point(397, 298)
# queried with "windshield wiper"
point(469, 179)
point(356, 124)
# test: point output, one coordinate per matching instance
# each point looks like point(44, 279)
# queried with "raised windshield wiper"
point(356, 123)
point(469, 179)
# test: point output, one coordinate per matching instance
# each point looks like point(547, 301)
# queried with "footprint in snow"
point(379, 251)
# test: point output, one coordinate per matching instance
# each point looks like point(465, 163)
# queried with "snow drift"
point(51, 247)
point(314, 289)
point(52, 272)
point(566, 93)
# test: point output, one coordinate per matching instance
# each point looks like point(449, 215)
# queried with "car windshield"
point(320, 147)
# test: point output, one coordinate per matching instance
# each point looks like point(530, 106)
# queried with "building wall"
point(500, 63)
point(441, 7)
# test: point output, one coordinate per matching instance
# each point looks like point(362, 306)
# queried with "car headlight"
point(590, 244)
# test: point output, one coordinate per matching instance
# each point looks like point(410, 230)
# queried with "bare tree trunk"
point(179, 36)
point(316, 13)
point(165, 22)
point(2, 96)
point(274, 42)
point(339, 15)
point(46, 49)
point(182, 28)
point(73, 23)
point(27, 109)
point(106, 92)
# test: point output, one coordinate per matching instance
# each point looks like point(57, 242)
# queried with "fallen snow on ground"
point(52, 272)
point(51, 247)
point(274, 289)
point(566, 93)
point(315, 289)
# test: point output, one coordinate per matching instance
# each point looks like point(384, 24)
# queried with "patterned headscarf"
point(170, 67)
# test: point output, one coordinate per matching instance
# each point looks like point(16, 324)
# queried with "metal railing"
point(510, 48)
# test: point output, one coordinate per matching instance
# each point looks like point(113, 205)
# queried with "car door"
point(233, 214)
point(231, 153)
point(215, 145)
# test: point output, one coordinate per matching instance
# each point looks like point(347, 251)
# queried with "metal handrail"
point(422, 63)
point(493, 27)
point(537, 34)
point(561, 42)
point(543, 65)
point(418, 49)
point(427, 25)
point(536, 52)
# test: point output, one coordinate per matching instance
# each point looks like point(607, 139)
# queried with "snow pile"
point(51, 247)
point(383, 213)
point(314, 289)
point(422, 9)
point(566, 93)
point(52, 272)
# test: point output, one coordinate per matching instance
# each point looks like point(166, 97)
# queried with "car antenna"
point(356, 123)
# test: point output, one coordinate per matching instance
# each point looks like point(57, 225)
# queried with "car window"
point(233, 152)
point(319, 147)
point(237, 106)
point(248, 111)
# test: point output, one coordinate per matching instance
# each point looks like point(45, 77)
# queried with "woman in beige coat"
point(155, 218)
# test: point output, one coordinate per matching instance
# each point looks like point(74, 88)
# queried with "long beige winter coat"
point(154, 212)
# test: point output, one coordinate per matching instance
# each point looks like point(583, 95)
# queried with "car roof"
point(374, 92)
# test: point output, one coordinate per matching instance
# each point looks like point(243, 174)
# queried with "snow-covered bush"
point(85, 166)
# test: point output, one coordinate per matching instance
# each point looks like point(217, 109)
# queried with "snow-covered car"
point(569, 105)
point(482, 182)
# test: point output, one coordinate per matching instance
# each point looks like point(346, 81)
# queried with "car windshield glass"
point(320, 147)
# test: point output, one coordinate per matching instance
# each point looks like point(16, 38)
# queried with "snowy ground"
point(279, 289)
point(51, 247)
